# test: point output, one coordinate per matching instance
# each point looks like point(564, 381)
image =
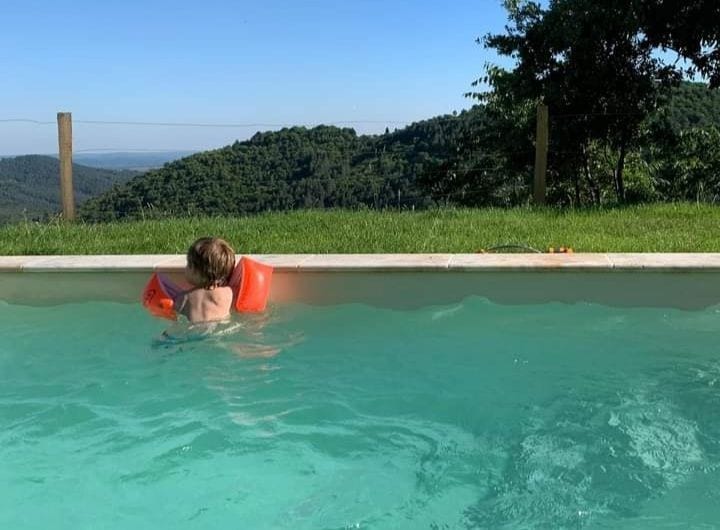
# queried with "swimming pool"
point(500, 407)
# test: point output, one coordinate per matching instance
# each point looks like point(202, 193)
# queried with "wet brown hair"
point(212, 259)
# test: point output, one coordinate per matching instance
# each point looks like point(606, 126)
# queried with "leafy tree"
point(691, 169)
point(589, 63)
point(690, 28)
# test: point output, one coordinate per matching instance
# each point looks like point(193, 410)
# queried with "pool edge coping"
point(599, 262)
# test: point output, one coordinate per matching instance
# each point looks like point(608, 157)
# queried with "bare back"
point(206, 305)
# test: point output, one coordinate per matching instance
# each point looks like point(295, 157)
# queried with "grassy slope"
point(655, 228)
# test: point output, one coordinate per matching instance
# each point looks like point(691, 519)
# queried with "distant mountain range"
point(136, 161)
point(30, 185)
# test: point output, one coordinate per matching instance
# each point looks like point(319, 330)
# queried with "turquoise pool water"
point(472, 415)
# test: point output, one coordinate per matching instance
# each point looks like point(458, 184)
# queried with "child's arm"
point(181, 305)
point(175, 292)
point(172, 289)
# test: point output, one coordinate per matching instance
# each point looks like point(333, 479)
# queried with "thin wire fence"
point(383, 198)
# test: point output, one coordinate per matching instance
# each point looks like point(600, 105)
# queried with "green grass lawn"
point(651, 228)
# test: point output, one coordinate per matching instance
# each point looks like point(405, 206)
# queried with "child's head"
point(210, 262)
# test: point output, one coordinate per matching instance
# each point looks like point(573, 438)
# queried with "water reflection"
point(247, 336)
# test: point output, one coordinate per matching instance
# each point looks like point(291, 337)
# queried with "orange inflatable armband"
point(251, 281)
point(157, 300)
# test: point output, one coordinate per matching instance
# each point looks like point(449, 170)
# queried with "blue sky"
point(223, 61)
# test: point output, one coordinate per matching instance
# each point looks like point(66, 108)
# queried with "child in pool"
point(210, 264)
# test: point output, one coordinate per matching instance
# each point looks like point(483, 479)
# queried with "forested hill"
point(292, 168)
point(322, 167)
point(693, 105)
point(332, 167)
point(30, 185)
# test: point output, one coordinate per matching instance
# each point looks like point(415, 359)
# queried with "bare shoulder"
point(224, 293)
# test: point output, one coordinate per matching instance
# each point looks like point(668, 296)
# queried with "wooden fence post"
point(67, 196)
point(541, 151)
